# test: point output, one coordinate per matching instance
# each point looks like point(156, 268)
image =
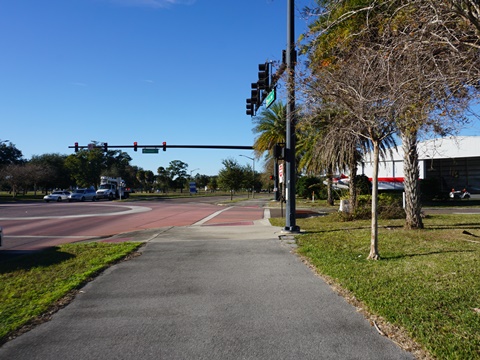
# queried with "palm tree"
point(327, 144)
point(311, 135)
point(271, 127)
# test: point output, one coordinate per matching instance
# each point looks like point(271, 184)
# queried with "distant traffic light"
point(76, 147)
point(272, 177)
point(164, 146)
point(105, 147)
point(134, 146)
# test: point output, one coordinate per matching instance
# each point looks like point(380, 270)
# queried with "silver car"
point(57, 196)
point(83, 194)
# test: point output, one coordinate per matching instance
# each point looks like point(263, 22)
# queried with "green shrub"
point(390, 206)
point(308, 184)
point(364, 186)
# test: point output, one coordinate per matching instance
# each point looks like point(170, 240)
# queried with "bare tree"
point(467, 9)
point(356, 84)
point(429, 66)
point(36, 174)
point(430, 70)
point(17, 177)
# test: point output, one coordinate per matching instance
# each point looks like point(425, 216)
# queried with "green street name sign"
point(271, 97)
point(150, 151)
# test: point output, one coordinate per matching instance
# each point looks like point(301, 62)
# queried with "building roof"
point(450, 147)
point(443, 148)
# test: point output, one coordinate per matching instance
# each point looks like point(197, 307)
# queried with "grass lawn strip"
point(427, 282)
point(35, 286)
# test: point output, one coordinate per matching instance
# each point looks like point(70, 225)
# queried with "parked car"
point(83, 194)
point(57, 196)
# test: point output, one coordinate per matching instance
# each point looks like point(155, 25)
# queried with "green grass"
point(427, 281)
point(31, 285)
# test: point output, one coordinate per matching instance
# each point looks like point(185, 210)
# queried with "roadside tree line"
point(46, 172)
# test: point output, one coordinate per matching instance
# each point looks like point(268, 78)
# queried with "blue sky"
point(120, 71)
point(150, 71)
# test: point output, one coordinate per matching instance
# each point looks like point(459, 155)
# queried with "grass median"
point(36, 285)
point(427, 281)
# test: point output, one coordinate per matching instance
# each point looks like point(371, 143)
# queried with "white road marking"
point(210, 217)
point(131, 210)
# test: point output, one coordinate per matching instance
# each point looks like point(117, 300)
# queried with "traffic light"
point(256, 97)
point(264, 76)
point(260, 89)
point(164, 146)
point(76, 147)
point(250, 109)
point(272, 177)
point(105, 147)
point(279, 151)
point(134, 146)
point(255, 94)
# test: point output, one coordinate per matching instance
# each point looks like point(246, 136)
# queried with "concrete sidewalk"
point(207, 292)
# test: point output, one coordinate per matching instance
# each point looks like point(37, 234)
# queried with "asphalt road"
point(34, 226)
point(207, 291)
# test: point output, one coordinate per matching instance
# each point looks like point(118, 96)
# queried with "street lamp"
point(191, 171)
point(253, 177)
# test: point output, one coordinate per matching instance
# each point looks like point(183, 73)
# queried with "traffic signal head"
point(164, 146)
point(250, 108)
point(105, 147)
point(279, 151)
point(272, 177)
point(264, 76)
point(134, 146)
point(76, 147)
point(254, 93)
point(256, 96)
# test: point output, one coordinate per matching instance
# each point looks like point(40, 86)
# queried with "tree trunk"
point(330, 200)
point(352, 187)
point(374, 255)
point(413, 206)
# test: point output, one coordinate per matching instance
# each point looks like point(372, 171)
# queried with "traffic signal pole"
point(164, 145)
point(290, 167)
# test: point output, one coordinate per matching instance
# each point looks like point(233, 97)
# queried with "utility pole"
point(258, 95)
point(290, 225)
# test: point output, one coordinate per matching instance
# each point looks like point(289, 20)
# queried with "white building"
point(453, 161)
